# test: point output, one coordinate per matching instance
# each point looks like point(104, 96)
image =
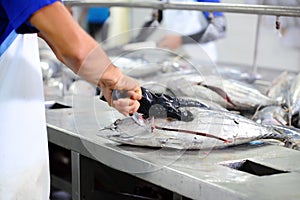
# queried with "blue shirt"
point(14, 15)
point(216, 14)
point(97, 14)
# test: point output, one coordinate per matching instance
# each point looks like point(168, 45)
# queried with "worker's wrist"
point(110, 76)
point(94, 66)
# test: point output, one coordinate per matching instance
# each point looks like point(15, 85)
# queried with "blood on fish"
point(190, 132)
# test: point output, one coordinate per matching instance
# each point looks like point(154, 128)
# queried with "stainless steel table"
point(194, 174)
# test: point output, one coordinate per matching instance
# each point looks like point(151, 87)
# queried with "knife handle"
point(119, 94)
point(116, 94)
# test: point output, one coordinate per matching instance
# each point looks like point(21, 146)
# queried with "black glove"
point(162, 105)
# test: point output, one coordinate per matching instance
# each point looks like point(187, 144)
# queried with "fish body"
point(204, 102)
point(244, 96)
point(188, 86)
point(231, 94)
point(273, 115)
point(209, 130)
point(279, 87)
point(293, 96)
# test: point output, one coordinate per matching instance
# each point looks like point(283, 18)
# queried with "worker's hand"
point(114, 79)
point(126, 106)
point(171, 42)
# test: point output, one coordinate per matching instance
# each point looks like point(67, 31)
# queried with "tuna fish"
point(210, 129)
point(273, 115)
point(188, 86)
point(245, 96)
point(279, 87)
point(231, 94)
point(293, 96)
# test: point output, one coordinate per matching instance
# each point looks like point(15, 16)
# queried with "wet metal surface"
point(197, 174)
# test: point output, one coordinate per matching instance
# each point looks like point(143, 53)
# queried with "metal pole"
point(254, 64)
point(203, 6)
point(75, 162)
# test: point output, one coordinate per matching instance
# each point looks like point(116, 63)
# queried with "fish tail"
point(274, 135)
point(286, 139)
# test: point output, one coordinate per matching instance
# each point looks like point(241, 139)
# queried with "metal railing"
point(291, 11)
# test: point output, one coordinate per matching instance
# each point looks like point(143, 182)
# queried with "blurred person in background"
point(95, 19)
point(193, 28)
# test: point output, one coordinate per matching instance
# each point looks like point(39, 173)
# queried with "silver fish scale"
point(244, 96)
point(280, 87)
point(186, 86)
point(271, 115)
point(294, 88)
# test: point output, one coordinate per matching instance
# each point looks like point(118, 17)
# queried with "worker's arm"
point(68, 40)
point(81, 53)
